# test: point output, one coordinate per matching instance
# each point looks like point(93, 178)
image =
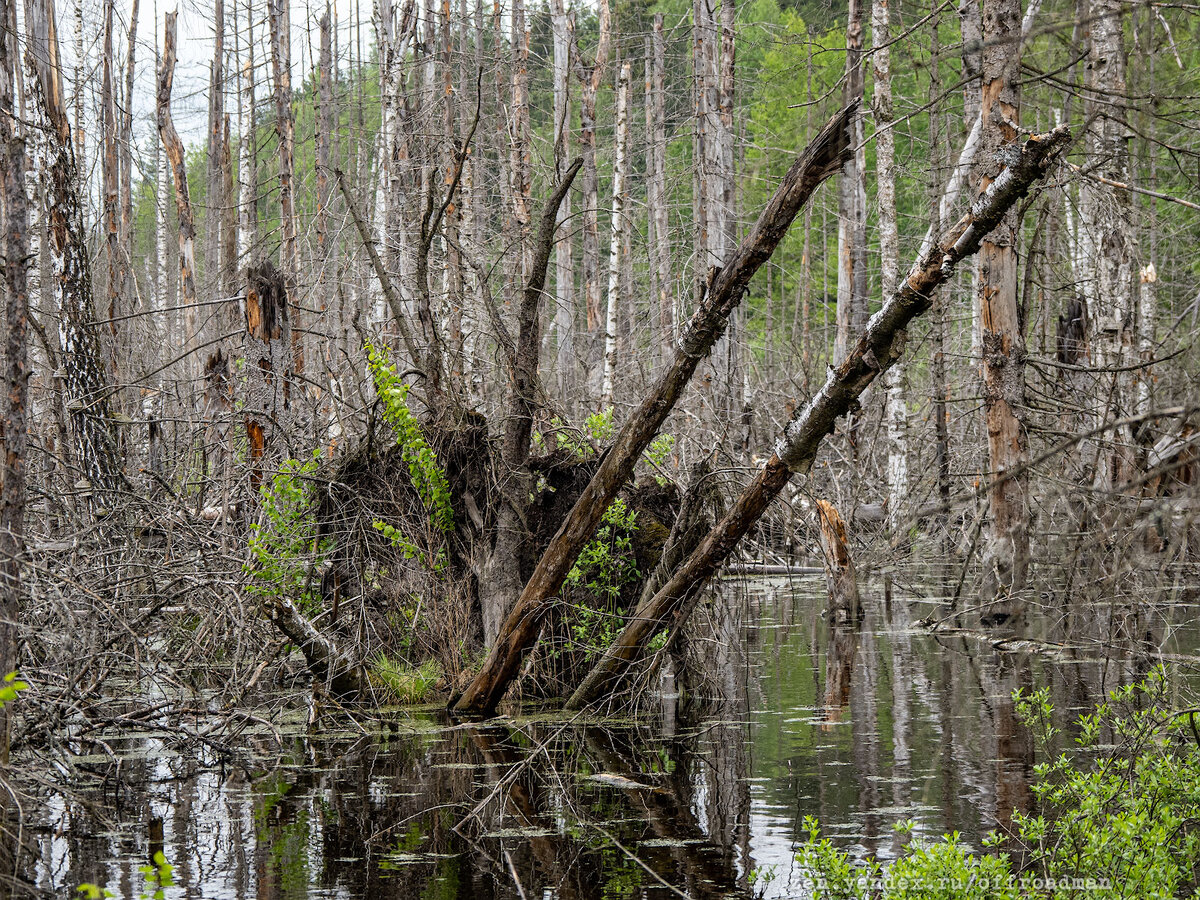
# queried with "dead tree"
point(86, 383)
point(819, 161)
point(268, 366)
point(280, 17)
point(852, 203)
point(840, 577)
point(173, 145)
point(880, 345)
point(13, 421)
point(1002, 338)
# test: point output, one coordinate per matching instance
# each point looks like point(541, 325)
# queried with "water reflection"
point(779, 716)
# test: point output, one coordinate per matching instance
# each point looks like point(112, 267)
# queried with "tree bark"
point(520, 629)
point(173, 146)
point(86, 383)
point(564, 268)
point(880, 345)
point(247, 158)
point(852, 203)
point(1002, 338)
point(889, 258)
point(656, 190)
point(840, 577)
point(280, 17)
point(615, 247)
point(13, 422)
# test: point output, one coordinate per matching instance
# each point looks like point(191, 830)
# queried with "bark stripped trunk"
point(280, 17)
point(127, 254)
point(110, 175)
point(325, 124)
point(840, 578)
point(13, 423)
point(818, 162)
point(880, 345)
point(86, 384)
point(616, 245)
point(852, 204)
point(889, 259)
point(215, 200)
point(268, 367)
point(173, 145)
point(1002, 337)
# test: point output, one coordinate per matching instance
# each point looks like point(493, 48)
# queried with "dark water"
point(707, 794)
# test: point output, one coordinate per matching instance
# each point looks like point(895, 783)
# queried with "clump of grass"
point(409, 685)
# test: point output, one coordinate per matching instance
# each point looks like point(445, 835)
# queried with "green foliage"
point(408, 684)
point(11, 687)
point(286, 548)
point(605, 566)
point(158, 878)
point(90, 891)
point(428, 478)
point(599, 426)
point(1120, 819)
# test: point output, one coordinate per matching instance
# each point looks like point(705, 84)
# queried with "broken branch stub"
point(877, 349)
point(821, 159)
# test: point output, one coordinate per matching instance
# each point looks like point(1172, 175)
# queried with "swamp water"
point(860, 730)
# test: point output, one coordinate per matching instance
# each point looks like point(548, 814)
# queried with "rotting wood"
point(840, 577)
point(519, 632)
point(879, 347)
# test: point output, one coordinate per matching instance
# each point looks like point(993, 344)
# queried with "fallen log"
point(520, 629)
point(877, 349)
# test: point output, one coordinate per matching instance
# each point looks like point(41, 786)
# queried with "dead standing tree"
point(86, 383)
point(823, 157)
point(878, 348)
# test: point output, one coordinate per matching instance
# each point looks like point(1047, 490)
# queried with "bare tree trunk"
point(86, 385)
point(1108, 221)
point(521, 627)
point(111, 175)
point(840, 578)
point(325, 126)
point(173, 145)
point(1002, 336)
point(590, 78)
point(889, 254)
point(880, 345)
point(852, 204)
point(455, 280)
point(127, 253)
point(215, 200)
point(564, 267)
point(656, 189)
point(280, 17)
point(620, 197)
point(269, 380)
point(247, 158)
point(13, 421)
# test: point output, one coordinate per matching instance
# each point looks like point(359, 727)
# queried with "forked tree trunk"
point(880, 345)
point(86, 383)
point(520, 629)
point(173, 145)
point(1001, 335)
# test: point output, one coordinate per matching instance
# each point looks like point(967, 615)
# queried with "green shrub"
point(409, 685)
point(285, 549)
point(605, 566)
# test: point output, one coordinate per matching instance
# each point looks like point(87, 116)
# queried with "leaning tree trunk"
point(879, 347)
point(819, 161)
point(173, 145)
point(1002, 337)
point(86, 385)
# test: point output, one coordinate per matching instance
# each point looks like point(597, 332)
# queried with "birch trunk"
point(86, 384)
point(889, 254)
point(656, 189)
point(110, 175)
point(852, 204)
point(215, 201)
point(1002, 338)
point(1108, 220)
point(616, 245)
point(325, 125)
point(247, 158)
